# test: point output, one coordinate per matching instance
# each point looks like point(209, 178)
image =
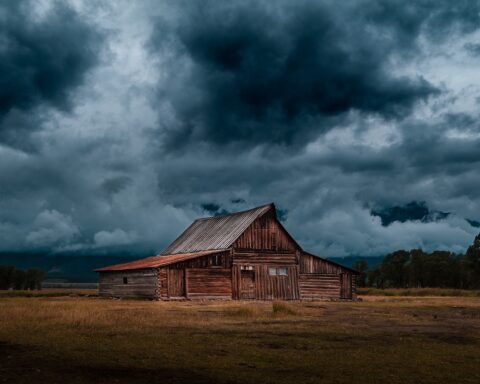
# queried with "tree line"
point(15, 278)
point(418, 269)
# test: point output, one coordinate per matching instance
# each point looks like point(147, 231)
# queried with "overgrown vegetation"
point(15, 278)
point(281, 308)
point(418, 269)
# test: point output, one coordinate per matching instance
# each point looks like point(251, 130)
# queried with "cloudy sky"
point(120, 122)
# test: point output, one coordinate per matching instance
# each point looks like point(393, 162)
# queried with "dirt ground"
point(378, 340)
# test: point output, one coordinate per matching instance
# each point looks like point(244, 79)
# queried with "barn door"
point(346, 286)
point(247, 284)
point(176, 282)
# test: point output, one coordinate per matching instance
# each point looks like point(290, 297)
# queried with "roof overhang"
point(157, 261)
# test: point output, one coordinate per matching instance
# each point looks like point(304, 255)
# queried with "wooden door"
point(176, 283)
point(247, 284)
point(346, 286)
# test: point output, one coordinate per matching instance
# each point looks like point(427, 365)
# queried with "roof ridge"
point(216, 232)
point(234, 213)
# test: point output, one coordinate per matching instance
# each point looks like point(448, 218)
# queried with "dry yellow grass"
point(378, 340)
point(418, 292)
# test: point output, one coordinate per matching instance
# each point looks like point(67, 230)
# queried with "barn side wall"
point(138, 283)
point(207, 277)
point(321, 279)
point(315, 286)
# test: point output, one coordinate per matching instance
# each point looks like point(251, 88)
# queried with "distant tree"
point(471, 265)
point(394, 269)
point(19, 279)
point(362, 267)
point(441, 269)
point(6, 276)
point(34, 278)
point(11, 277)
point(375, 277)
point(416, 268)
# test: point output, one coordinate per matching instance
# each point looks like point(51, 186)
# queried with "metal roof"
point(156, 261)
point(218, 232)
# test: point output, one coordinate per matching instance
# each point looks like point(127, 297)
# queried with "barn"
point(246, 255)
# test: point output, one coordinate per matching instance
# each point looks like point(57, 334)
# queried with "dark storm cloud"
point(330, 109)
point(437, 19)
point(473, 49)
point(473, 223)
point(254, 72)
point(413, 211)
point(42, 59)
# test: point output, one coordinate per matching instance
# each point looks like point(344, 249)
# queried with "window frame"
point(277, 271)
point(217, 261)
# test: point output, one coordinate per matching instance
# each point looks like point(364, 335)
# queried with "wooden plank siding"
point(320, 278)
point(312, 264)
point(274, 258)
point(139, 283)
point(276, 287)
point(184, 279)
point(266, 234)
point(315, 286)
point(238, 252)
point(209, 283)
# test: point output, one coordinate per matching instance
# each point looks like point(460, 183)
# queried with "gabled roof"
point(156, 261)
point(218, 232)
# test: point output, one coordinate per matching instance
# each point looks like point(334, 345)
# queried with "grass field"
point(382, 339)
point(418, 292)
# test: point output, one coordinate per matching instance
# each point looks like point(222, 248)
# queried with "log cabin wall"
point(203, 283)
point(321, 279)
point(129, 283)
point(206, 277)
point(314, 286)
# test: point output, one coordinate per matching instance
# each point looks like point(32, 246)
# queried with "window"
point(216, 260)
point(125, 280)
point(277, 271)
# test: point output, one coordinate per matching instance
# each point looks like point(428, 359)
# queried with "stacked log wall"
point(316, 286)
point(205, 277)
point(139, 283)
point(210, 283)
point(320, 279)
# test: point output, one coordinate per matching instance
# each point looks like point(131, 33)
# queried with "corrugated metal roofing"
point(156, 261)
point(218, 232)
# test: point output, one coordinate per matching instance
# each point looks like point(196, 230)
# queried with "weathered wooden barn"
point(243, 256)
